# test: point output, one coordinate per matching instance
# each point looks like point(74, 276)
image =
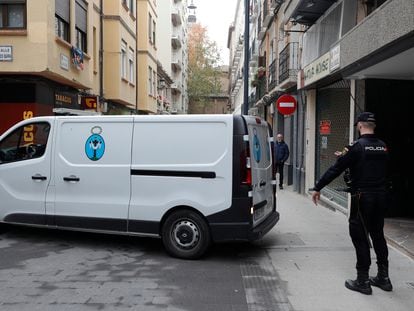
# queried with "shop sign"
point(325, 127)
point(317, 69)
point(6, 53)
point(64, 62)
point(63, 99)
point(335, 58)
point(89, 102)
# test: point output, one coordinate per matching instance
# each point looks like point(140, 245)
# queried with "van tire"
point(186, 235)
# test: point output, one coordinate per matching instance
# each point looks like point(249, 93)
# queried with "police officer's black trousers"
point(367, 216)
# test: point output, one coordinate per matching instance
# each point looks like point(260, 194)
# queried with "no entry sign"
point(286, 104)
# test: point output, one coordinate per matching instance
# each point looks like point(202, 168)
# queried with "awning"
point(307, 12)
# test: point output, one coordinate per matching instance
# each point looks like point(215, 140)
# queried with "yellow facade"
point(147, 56)
point(119, 32)
point(38, 51)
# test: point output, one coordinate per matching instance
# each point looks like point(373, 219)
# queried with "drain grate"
point(265, 291)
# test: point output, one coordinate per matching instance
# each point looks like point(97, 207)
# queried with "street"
point(300, 265)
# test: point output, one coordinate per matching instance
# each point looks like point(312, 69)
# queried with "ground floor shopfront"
point(331, 109)
point(23, 97)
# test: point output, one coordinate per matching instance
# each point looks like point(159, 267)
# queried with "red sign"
point(11, 113)
point(325, 127)
point(286, 104)
point(89, 102)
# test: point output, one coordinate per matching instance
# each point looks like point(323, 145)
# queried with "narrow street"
point(301, 265)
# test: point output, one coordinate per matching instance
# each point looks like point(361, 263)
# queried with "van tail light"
point(272, 148)
point(245, 166)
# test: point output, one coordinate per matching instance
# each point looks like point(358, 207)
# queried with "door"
point(92, 172)
point(261, 167)
point(25, 155)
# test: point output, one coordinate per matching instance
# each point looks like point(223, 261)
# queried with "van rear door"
point(261, 168)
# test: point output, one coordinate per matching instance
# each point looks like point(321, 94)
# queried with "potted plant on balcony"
point(261, 72)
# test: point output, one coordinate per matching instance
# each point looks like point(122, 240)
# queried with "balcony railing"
point(289, 62)
point(272, 75)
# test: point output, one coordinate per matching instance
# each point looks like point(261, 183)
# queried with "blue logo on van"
point(257, 149)
point(95, 145)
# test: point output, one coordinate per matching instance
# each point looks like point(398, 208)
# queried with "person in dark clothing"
point(281, 155)
point(365, 163)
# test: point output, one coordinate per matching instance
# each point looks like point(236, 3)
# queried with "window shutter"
point(81, 15)
point(62, 9)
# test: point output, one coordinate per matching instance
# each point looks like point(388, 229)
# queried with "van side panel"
point(92, 172)
point(180, 161)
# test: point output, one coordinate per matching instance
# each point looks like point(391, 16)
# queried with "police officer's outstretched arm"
point(343, 162)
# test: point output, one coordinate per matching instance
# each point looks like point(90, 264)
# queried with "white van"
point(189, 179)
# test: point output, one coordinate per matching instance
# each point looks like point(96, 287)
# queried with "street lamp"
point(246, 57)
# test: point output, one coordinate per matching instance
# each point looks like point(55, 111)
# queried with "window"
point(123, 59)
point(150, 28)
point(131, 65)
point(154, 83)
point(131, 6)
point(153, 32)
point(62, 19)
point(12, 14)
point(149, 80)
point(26, 142)
point(81, 25)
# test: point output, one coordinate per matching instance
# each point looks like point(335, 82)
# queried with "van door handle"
point(39, 177)
point(262, 183)
point(71, 178)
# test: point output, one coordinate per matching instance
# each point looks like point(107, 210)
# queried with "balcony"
point(176, 17)
point(267, 13)
point(289, 65)
point(176, 41)
point(176, 88)
point(272, 82)
point(176, 64)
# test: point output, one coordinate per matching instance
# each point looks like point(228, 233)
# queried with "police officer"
point(366, 162)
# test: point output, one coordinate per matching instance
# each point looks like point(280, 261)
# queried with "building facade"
point(88, 56)
point(337, 58)
point(48, 58)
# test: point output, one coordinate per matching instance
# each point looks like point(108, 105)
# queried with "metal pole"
point(246, 57)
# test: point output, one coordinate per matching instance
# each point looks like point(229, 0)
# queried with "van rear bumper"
point(222, 232)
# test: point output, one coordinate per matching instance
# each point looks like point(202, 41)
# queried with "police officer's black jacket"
point(366, 159)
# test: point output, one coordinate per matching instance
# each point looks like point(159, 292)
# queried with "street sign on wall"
point(286, 104)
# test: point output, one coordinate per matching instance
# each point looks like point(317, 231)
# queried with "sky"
point(216, 15)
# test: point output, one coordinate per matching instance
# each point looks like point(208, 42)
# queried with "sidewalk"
point(400, 234)
point(312, 253)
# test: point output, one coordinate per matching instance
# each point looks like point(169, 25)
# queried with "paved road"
point(300, 265)
point(57, 270)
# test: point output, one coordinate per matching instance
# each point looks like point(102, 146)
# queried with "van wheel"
point(186, 235)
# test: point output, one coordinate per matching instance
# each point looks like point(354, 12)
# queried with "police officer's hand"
point(316, 196)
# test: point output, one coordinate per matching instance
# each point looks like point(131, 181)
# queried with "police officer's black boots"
point(361, 284)
point(382, 280)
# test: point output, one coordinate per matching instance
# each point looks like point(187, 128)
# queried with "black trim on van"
point(89, 223)
point(174, 173)
point(222, 232)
